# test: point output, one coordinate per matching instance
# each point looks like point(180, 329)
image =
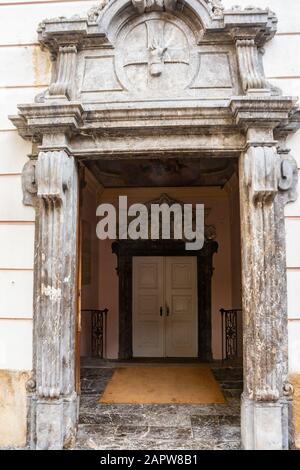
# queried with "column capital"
point(269, 171)
point(261, 173)
point(53, 175)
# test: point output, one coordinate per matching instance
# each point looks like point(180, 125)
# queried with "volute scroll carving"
point(268, 173)
point(53, 175)
point(95, 12)
point(288, 390)
point(29, 183)
point(66, 63)
point(31, 385)
point(253, 80)
point(262, 173)
point(288, 177)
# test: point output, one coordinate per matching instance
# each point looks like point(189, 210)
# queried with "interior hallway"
point(182, 427)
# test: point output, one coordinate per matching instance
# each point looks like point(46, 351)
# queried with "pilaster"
point(52, 389)
point(265, 181)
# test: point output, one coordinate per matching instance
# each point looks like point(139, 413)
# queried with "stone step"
point(226, 374)
point(232, 392)
point(238, 384)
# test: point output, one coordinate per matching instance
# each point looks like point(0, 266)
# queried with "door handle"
point(167, 310)
point(161, 311)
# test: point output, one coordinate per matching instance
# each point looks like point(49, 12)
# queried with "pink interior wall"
point(89, 292)
point(218, 201)
point(109, 295)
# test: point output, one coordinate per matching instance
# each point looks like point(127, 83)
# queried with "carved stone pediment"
point(152, 63)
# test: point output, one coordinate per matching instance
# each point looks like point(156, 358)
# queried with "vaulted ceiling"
point(162, 172)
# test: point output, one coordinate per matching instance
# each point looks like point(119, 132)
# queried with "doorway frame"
point(127, 249)
point(251, 123)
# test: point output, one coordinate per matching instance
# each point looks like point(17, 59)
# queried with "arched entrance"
point(134, 80)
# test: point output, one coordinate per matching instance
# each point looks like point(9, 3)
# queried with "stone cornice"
point(35, 120)
point(263, 111)
point(239, 114)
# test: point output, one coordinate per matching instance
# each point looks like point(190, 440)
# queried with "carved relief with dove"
point(156, 55)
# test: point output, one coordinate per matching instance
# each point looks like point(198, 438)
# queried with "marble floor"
point(146, 427)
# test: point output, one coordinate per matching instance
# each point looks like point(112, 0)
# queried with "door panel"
point(170, 283)
point(181, 300)
point(148, 324)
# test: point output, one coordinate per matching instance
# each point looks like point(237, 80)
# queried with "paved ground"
point(182, 427)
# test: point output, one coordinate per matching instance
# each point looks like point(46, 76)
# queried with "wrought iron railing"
point(230, 330)
point(98, 332)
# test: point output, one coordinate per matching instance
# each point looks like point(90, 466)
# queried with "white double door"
point(165, 306)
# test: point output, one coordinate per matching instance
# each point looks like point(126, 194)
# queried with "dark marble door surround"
point(127, 249)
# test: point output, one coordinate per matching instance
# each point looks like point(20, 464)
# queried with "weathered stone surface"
point(13, 408)
point(264, 296)
point(52, 389)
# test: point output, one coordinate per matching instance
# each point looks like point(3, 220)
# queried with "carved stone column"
point(266, 183)
point(53, 395)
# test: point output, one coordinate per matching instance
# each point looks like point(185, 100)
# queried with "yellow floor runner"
point(162, 384)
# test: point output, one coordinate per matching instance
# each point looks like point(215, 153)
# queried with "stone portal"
point(141, 78)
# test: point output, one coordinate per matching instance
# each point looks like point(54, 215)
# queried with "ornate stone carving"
point(288, 176)
point(288, 389)
point(41, 97)
point(31, 385)
point(261, 169)
point(143, 6)
point(66, 63)
point(252, 78)
point(29, 184)
point(216, 7)
point(161, 56)
point(95, 12)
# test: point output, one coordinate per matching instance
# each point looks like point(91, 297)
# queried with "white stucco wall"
point(24, 72)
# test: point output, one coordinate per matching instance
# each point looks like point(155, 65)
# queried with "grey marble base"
point(264, 426)
point(180, 427)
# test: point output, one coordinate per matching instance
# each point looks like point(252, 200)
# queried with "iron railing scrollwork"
point(98, 332)
point(229, 320)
